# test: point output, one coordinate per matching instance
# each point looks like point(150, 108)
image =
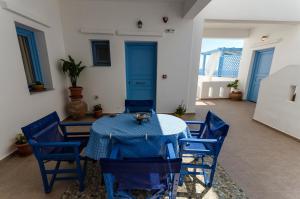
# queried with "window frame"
point(31, 38)
point(99, 62)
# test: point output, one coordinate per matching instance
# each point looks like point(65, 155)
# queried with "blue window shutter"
point(30, 35)
point(101, 53)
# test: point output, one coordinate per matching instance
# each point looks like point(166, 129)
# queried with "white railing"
point(213, 87)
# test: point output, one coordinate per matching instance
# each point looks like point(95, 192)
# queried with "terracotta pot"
point(76, 92)
point(236, 95)
point(24, 149)
point(39, 87)
point(97, 114)
point(77, 108)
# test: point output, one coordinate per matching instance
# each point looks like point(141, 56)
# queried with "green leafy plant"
point(73, 69)
point(180, 110)
point(98, 107)
point(234, 84)
point(21, 139)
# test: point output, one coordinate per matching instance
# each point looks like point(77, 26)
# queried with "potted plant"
point(97, 111)
point(180, 110)
point(38, 86)
point(77, 108)
point(73, 70)
point(235, 93)
point(21, 143)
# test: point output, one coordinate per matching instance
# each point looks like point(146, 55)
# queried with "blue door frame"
point(260, 70)
point(141, 70)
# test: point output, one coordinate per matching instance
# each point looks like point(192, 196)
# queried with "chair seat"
point(193, 146)
point(67, 149)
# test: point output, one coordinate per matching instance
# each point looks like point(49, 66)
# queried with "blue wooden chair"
point(133, 106)
point(202, 125)
point(156, 175)
point(204, 149)
point(50, 144)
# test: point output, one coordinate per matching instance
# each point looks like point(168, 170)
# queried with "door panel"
point(260, 70)
point(141, 70)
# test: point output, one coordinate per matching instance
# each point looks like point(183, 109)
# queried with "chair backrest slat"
point(215, 128)
point(45, 130)
point(139, 105)
point(36, 127)
point(145, 173)
point(146, 165)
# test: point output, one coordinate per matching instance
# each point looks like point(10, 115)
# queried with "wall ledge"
point(139, 33)
point(89, 30)
point(265, 43)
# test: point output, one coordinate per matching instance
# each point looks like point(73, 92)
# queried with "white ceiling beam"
point(192, 8)
point(226, 33)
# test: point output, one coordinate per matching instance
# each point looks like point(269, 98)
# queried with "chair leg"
point(175, 186)
point(109, 185)
point(80, 175)
point(55, 173)
point(212, 173)
point(47, 187)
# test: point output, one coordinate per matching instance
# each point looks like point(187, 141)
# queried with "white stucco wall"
point(284, 38)
point(176, 56)
point(274, 107)
point(17, 106)
point(261, 10)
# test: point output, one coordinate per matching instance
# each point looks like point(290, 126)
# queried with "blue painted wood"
point(141, 61)
point(208, 143)
point(260, 70)
point(49, 145)
point(116, 169)
point(30, 35)
point(101, 46)
point(133, 106)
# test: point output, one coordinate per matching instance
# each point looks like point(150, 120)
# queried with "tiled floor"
point(264, 162)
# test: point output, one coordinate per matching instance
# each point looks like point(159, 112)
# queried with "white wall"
point(176, 56)
point(261, 10)
point(285, 39)
point(274, 107)
point(234, 33)
point(17, 106)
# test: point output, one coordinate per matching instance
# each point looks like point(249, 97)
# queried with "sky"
point(211, 44)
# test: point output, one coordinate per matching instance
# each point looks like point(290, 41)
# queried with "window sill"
point(43, 91)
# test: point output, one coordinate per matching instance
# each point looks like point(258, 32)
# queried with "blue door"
point(141, 70)
point(261, 68)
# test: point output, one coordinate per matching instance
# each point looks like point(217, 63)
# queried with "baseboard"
point(9, 155)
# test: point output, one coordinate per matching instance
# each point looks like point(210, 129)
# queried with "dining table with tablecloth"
point(147, 139)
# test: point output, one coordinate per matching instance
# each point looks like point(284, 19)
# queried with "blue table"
point(147, 139)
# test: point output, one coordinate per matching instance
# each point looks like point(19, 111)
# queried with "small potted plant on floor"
point(38, 86)
point(235, 93)
point(97, 111)
point(180, 110)
point(23, 146)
